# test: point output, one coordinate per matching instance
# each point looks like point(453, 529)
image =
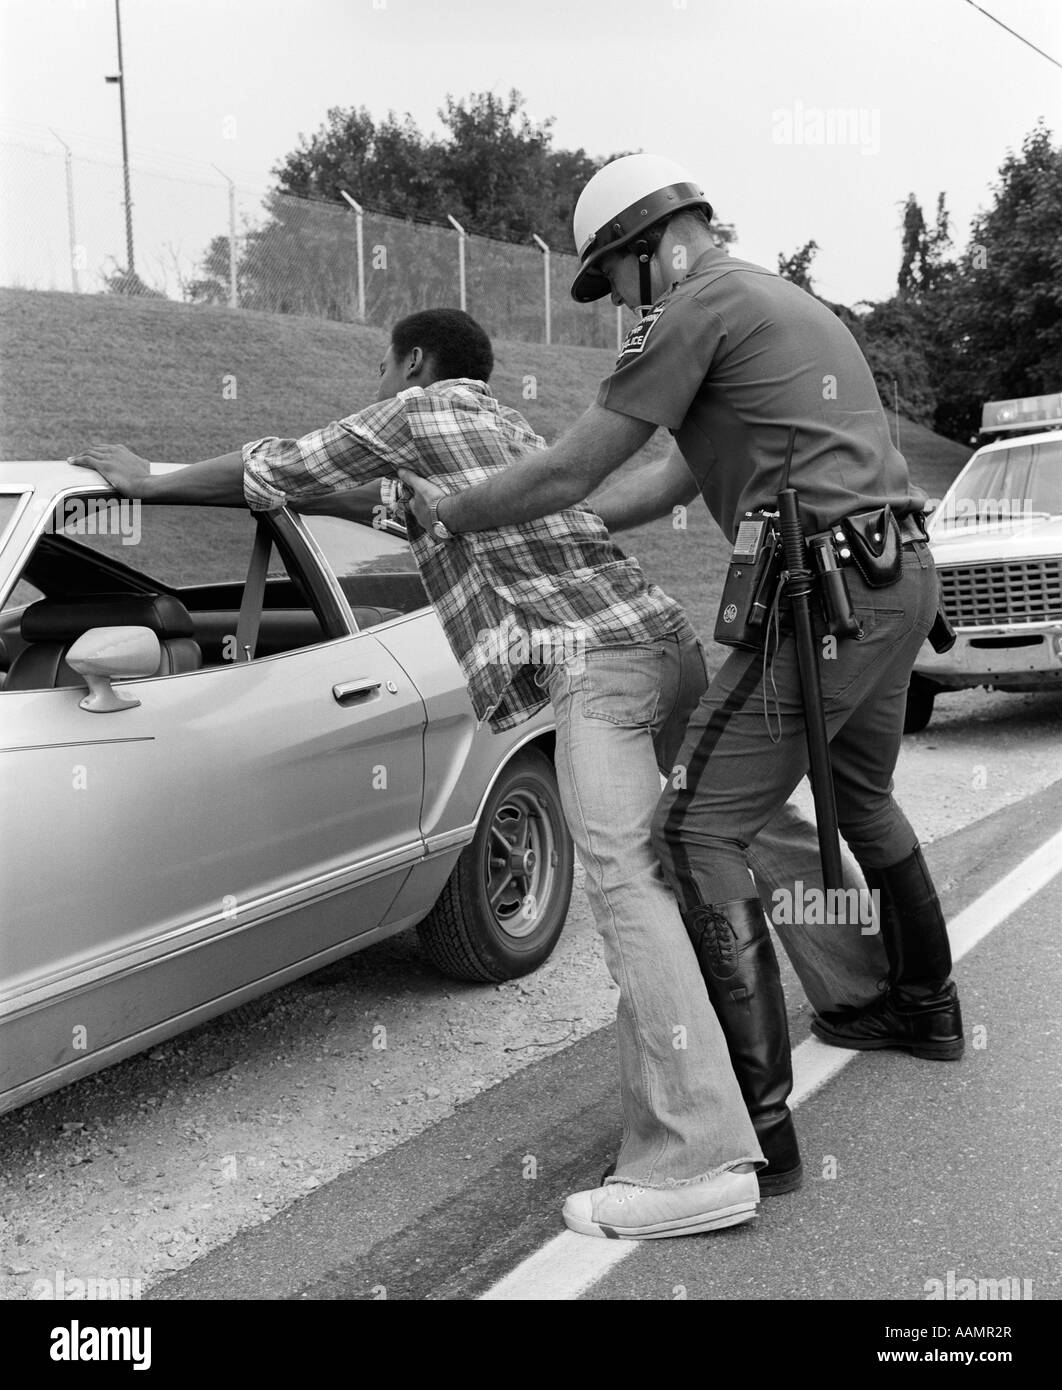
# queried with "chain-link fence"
point(63, 227)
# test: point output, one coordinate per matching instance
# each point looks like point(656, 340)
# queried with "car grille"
point(1012, 591)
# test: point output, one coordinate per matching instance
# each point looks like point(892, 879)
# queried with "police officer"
point(729, 358)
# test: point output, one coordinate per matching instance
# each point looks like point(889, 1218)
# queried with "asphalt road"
point(918, 1171)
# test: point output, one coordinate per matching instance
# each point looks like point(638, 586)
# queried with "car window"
point(179, 546)
point(95, 553)
point(8, 506)
point(352, 548)
point(375, 568)
point(24, 592)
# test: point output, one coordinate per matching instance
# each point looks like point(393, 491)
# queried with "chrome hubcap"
point(521, 863)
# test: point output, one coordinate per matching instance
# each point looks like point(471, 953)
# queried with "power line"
point(1015, 33)
point(104, 148)
point(41, 140)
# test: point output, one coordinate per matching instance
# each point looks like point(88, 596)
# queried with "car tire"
point(920, 696)
point(501, 913)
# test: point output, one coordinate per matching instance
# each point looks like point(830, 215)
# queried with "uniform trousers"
point(736, 778)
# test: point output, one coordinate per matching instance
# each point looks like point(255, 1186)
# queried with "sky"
point(750, 95)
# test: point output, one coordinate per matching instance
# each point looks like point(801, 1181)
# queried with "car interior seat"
point(50, 627)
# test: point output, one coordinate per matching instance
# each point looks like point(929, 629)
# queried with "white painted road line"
point(1005, 897)
point(570, 1264)
point(561, 1270)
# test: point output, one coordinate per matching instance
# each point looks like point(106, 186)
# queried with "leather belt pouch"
point(876, 545)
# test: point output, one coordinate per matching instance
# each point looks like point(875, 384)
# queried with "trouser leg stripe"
point(706, 745)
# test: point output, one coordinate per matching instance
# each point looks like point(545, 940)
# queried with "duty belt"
point(912, 528)
point(870, 542)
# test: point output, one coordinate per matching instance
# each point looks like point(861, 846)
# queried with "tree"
point(1000, 315)
point(213, 285)
point(798, 266)
point(497, 165)
point(894, 345)
point(128, 282)
point(914, 234)
point(924, 266)
point(494, 169)
point(390, 166)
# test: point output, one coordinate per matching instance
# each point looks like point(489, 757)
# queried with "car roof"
point(1041, 437)
point(56, 475)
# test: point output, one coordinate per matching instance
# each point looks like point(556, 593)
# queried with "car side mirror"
point(105, 654)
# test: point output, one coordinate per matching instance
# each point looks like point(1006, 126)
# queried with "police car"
point(996, 537)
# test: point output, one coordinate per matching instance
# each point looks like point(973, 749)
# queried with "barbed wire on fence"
point(62, 228)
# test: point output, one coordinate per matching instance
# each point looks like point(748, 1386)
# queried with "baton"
point(799, 582)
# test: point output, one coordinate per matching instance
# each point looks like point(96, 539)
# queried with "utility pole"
point(234, 302)
point(545, 256)
point(120, 79)
point(359, 233)
point(72, 230)
point(461, 237)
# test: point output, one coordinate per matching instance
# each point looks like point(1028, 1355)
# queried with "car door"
point(461, 757)
point(241, 817)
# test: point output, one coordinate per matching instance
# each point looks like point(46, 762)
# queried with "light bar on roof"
point(997, 417)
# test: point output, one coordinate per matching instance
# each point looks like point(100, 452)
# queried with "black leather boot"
point(740, 969)
point(919, 1011)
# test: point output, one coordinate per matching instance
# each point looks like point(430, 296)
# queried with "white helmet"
point(621, 200)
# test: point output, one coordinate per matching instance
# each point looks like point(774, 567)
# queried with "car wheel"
point(503, 907)
point(920, 696)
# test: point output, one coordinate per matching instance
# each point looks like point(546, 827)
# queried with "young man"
point(628, 673)
point(730, 358)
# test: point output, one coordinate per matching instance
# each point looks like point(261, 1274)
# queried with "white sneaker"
point(625, 1211)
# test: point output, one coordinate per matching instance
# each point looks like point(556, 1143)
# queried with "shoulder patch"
point(634, 342)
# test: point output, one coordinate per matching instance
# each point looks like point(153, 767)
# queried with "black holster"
point(876, 545)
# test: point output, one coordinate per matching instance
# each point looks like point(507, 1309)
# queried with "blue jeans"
point(621, 715)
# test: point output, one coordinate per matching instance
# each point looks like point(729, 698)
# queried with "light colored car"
point(232, 752)
point(996, 539)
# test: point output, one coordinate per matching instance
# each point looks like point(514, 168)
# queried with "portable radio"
point(752, 580)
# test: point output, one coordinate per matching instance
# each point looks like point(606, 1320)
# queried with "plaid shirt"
point(510, 600)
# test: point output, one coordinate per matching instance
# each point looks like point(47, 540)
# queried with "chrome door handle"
point(350, 691)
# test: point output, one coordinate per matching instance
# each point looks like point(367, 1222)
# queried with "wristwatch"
point(439, 529)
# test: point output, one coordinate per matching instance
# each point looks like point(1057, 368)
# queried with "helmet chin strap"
point(645, 290)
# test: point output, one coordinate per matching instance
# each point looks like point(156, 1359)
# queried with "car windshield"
point(1021, 482)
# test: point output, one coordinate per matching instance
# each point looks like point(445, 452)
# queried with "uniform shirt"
point(510, 599)
point(728, 360)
